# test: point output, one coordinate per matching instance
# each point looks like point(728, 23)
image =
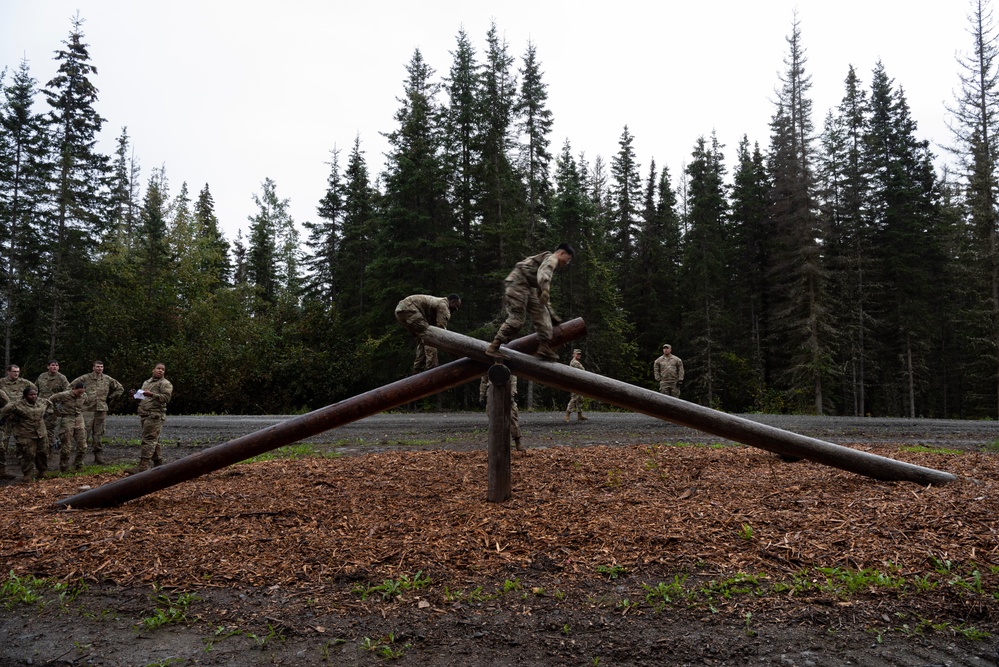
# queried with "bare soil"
point(628, 541)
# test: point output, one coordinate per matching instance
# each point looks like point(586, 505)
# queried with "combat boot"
point(141, 467)
point(78, 461)
point(520, 447)
point(580, 417)
point(98, 459)
point(494, 349)
point(545, 353)
point(567, 413)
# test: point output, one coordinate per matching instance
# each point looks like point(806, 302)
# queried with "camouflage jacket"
point(49, 384)
point(66, 404)
point(435, 309)
point(99, 390)
point(14, 389)
point(156, 395)
point(536, 271)
point(668, 369)
point(28, 419)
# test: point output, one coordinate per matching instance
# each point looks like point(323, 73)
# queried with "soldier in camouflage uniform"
point(527, 291)
point(52, 382)
point(417, 313)
point(12, 386)
point(68, 407)
point(669, 372)
point(100, 390)
point(27, 415)
point(153, 398)
point(576, 400)
point(514, 411)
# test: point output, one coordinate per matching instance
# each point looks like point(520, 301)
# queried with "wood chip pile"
point(302, 524)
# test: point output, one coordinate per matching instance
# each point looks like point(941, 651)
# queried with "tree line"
point(833, 270)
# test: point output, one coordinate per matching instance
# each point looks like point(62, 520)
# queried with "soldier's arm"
point(545, 273)
point(679, 370)
point(116, 389)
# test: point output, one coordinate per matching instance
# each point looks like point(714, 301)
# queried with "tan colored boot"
point(545, 353)
point(144, 465)
point(520, 447)
point(567, 417)
point(580, 417)
point(98, 459)
point(494, 349)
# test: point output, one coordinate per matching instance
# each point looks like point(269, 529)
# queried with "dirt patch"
point(637, 551)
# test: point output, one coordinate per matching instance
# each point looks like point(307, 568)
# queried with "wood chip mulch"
point(298, 524)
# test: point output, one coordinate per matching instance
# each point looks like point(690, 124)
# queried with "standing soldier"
point(576, 400)
point(514, 411)
point(12, 386)
point(669, 372)
point(417, 313)
point(153, 399)
point(100, 390)
point(68, 407)
point(528, 291)
point(52, 382)
point(28, 417)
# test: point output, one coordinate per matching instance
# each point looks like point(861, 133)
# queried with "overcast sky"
point(230, 93)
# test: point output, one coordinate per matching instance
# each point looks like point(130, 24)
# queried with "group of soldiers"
point(527, 291)
point(55, 413)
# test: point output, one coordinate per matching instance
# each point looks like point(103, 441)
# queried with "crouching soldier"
point(27, 417)
point(68, 406)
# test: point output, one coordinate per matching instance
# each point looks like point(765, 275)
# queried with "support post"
point(621, 394)
point(369, 403)
point(500, 409)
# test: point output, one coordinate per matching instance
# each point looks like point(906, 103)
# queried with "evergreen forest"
point(832, 268)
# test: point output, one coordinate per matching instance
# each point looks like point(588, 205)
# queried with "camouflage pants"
point(416, 324)
point(575, 403)
point(34, 452)
point(72, 431)
point(52, 427)
point(670, 388)
point(152, 426)
point(94, 422)
point(521, 300)
point(514, 411)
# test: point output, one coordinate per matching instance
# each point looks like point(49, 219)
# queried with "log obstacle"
point(692, 415)
point(409, 389)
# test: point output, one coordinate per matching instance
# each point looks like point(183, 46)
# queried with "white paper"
point(139, 394)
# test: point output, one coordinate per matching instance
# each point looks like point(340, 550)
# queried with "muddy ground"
point(549, 617)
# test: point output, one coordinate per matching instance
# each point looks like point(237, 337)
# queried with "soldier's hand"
point(544, 297)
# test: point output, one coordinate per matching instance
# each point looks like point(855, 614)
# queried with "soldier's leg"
point(420, 360)
point(152, 424)
point(79, 435)
point(88, 424)
point(66, 447)
point(26, 450)
point(515, 301)
point(52, 428)
point(41, 456)
point(100, 420)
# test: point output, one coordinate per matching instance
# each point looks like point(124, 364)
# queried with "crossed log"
point(475, 363)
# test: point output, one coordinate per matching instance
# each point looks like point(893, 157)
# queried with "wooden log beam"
point(692, 415)
point(500, 407)
point(392, 395)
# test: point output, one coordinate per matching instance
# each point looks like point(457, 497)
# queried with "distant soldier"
point(100, 390)
point(669, 372)
point(576, 400)
point(68, 408)
point(527, 291)
point(417, 313)
point(52, 382)
point(12, 386)
point(514, 412)
point(156, 392)
point(27, 416)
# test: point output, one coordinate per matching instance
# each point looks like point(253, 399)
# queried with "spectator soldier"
point(576, 400)
point(669, 372)
point(101, 389)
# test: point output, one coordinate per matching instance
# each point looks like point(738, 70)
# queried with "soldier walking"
point(68, 407)
point(27, 416)
point(576, 400)
point(49, 383)
point(12, 386)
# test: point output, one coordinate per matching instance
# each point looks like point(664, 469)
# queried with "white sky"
point(233, 92)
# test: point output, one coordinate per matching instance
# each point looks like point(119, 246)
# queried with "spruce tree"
point(213, 247)
point(79, 180)
point(534, 120)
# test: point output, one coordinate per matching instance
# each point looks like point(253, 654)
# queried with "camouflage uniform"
point(68, 408)
point(669, 373)
point(529, 278)
point(514, 411)
point(99, 390)
point(28, 421)
point(575, 400)
point(49, 384)
point(152, 414)
point(416, 313)
point(13, 391)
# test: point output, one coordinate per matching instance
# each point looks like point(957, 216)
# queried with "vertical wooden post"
point(499, 433)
